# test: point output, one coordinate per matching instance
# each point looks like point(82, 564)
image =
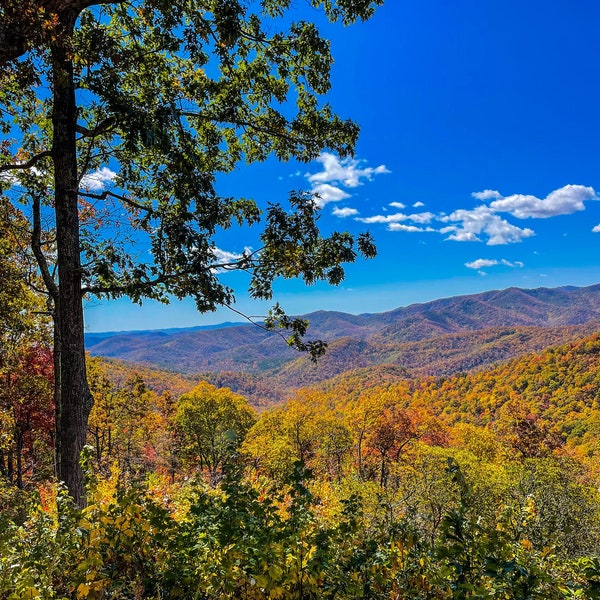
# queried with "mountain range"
point(437, 338)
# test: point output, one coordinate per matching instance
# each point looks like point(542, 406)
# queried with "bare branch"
point(102, 127)
point(26, 165)
point(104, 195)
point(36, 246)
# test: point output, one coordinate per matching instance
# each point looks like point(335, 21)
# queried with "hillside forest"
point(370, 484)
point(446, 451)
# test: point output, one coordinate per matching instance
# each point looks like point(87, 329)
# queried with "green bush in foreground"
point(240, 541)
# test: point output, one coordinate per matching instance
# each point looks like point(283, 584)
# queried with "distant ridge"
point(434, 338)
point(95, 337)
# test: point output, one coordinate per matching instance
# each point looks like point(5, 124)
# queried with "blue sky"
point(476, 169)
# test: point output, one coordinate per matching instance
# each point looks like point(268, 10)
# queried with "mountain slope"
point(435, 338)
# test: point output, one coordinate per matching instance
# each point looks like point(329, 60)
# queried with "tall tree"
point(157, 98)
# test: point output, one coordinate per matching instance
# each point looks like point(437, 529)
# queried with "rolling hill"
point(442, 337)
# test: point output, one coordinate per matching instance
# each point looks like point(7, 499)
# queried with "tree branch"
point(102, 127)
point(104, 195)
point(36, 246)
point(19, 31)
point(26, 165)
point(247, 124)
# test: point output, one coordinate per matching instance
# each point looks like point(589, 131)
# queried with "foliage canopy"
point(118, 116)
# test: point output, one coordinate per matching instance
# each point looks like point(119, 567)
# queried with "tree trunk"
point(75, 398)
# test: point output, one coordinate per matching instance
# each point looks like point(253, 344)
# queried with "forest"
point(369, 485)
point(123, 482)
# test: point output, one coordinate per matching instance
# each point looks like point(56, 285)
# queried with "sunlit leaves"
point(213, 422)
point(170, 95)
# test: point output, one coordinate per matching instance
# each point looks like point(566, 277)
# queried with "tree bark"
point(75, 399)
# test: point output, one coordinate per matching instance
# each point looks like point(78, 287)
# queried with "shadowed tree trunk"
point(74, 397)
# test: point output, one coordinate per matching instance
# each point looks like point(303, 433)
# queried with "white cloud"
point(487, 195)
point(344, 212)
point(517, 263)
point(471, 224)
point(425, 217)
point(339, 173)
point(97, 180)
point(395, 218)
point(460, 236)
point(346, 172)
point(328, 193)
point(408, 228)
point(485, 222)
point(482, 263)
point(564, 201)
point(397, 205)
point(223, 256)
point(418, 204)
point(8, 178)
point(15, 178)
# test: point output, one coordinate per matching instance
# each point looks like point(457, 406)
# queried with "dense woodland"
point(369, 485)
point(126, 483)
point(436, 338)
point(375, 483)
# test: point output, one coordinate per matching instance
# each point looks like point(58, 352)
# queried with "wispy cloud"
point(409, 228)
point(397, 205)
point(487, 195)
point(98, 180)
point(418, 204)
point(394, 218)
point(422, 218)
point(596, 229)
point(344, 212)
point(482, 263)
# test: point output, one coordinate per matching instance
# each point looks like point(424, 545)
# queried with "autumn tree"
point(361, 417)
point(335, 443)
point(102, 420)
point(213, 422)
point(165, 96)
point(524, 432)
point(27, 416)
point(269, 445)
point(126, 424)
point(26, 363)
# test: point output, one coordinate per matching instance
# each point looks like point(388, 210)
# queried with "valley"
point(436, 339)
